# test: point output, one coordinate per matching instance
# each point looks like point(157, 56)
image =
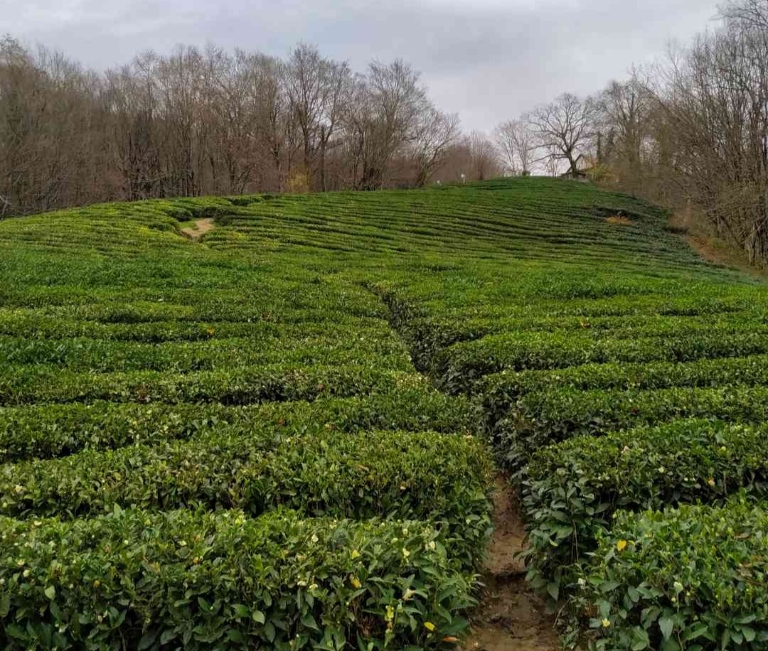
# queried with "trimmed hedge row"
point(200, 581)
point(46, 431)
point(484, 291)
point(540, 419)
point(43, 326)
point(432, 334)
point(372, 474)
point(36, 325)
point(462, 365)
point(22, 385)
point(573, 489)
point(692, 578)
point(340, 346)
point(498, 392)
point(56, 430)
point(202, 300)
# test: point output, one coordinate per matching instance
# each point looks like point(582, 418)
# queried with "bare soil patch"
point(619, 220)
point(201, 227)
point(510, 617)
point(705, 249)
point(710, 247)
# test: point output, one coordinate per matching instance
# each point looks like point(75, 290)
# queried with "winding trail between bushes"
point(510, 617)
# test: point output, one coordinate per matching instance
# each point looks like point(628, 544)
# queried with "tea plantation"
point(285, 435)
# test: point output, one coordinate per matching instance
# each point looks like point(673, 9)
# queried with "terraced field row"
point(281, 436)
point(602, 408)
point(205, 450)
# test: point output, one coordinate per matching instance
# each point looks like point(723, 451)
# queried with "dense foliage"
point(356, 356)
point(201, 581)
point(574, 489)
point(687, 579)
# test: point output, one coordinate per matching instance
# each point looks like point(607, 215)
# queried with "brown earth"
point(201, 227)
point(510, 617)
point(619, 220)
point(701, 239)
point(705, 248)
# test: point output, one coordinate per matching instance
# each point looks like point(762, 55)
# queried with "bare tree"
point(208, 121)
point(746, 14)
point(626, 110)
point(51, 131)
point(482, 157)
point(315, 87)
point(516, 145)
point(435, 132)
point(132, 101)
point(565, 129)
point(395, 100)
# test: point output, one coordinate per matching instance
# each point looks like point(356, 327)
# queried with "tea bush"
point(200, 581)
point(692, 578)
point(574, 489)
point(153, 388)
point(56, 430)
point(548, 417)
point(407, 475)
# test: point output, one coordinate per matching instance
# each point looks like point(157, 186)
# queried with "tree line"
point(208, 121)
point(690, 132)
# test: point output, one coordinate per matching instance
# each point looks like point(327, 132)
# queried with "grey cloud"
point(488, 60)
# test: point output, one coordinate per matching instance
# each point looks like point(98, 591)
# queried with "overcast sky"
point(488, 60)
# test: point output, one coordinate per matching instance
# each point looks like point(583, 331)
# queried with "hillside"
point(285, 433)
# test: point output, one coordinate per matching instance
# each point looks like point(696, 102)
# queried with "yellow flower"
point(711, 482)
point(429, 626)
point(355, 553)
point(355, 583)
point(621, 545)
point(606, 623)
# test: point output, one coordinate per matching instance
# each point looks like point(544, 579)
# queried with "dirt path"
point(510, 618)
point(201, 227)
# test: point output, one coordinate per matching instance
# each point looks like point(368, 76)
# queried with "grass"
point(358, 359)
